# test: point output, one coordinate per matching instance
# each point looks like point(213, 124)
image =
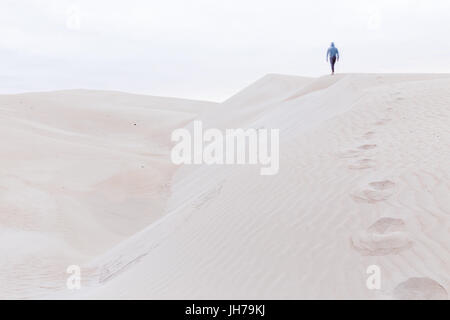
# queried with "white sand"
point(364, 180)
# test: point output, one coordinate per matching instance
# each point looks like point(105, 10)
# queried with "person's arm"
point(328, 53)
point(337, 54)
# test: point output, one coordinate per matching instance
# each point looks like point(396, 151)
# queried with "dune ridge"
point(364, 180)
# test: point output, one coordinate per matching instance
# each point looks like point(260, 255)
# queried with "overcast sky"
point(209, 49)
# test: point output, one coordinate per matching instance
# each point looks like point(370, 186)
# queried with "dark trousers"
point(332, 61)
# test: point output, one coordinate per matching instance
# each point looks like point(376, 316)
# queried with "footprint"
point(386, 224)
point(164, 188)
point(369, 134)
point(381, 191)
point(367, 147)
point(420, 289)
point(349, 154)
point(382, 122)
point(204, 198)
point(382, 185)
point(362, 164)
point(384, 237)
point(371, 196)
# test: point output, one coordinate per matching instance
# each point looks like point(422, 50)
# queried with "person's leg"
point(333, 61)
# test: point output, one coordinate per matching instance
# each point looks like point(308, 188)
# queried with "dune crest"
point(363, 180)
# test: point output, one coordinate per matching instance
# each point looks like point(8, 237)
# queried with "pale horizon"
point(207, 50)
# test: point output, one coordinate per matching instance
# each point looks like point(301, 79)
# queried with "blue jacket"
point(332, 52)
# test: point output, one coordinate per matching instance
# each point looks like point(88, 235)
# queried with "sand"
point(364, 180)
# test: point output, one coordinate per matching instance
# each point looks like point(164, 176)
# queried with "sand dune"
point(364, 180)
point(81, 171)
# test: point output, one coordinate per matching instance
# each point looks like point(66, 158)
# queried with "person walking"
point(333, 53)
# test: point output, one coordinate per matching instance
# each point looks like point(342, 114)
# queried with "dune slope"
point(80, 172)
point(364, 180)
